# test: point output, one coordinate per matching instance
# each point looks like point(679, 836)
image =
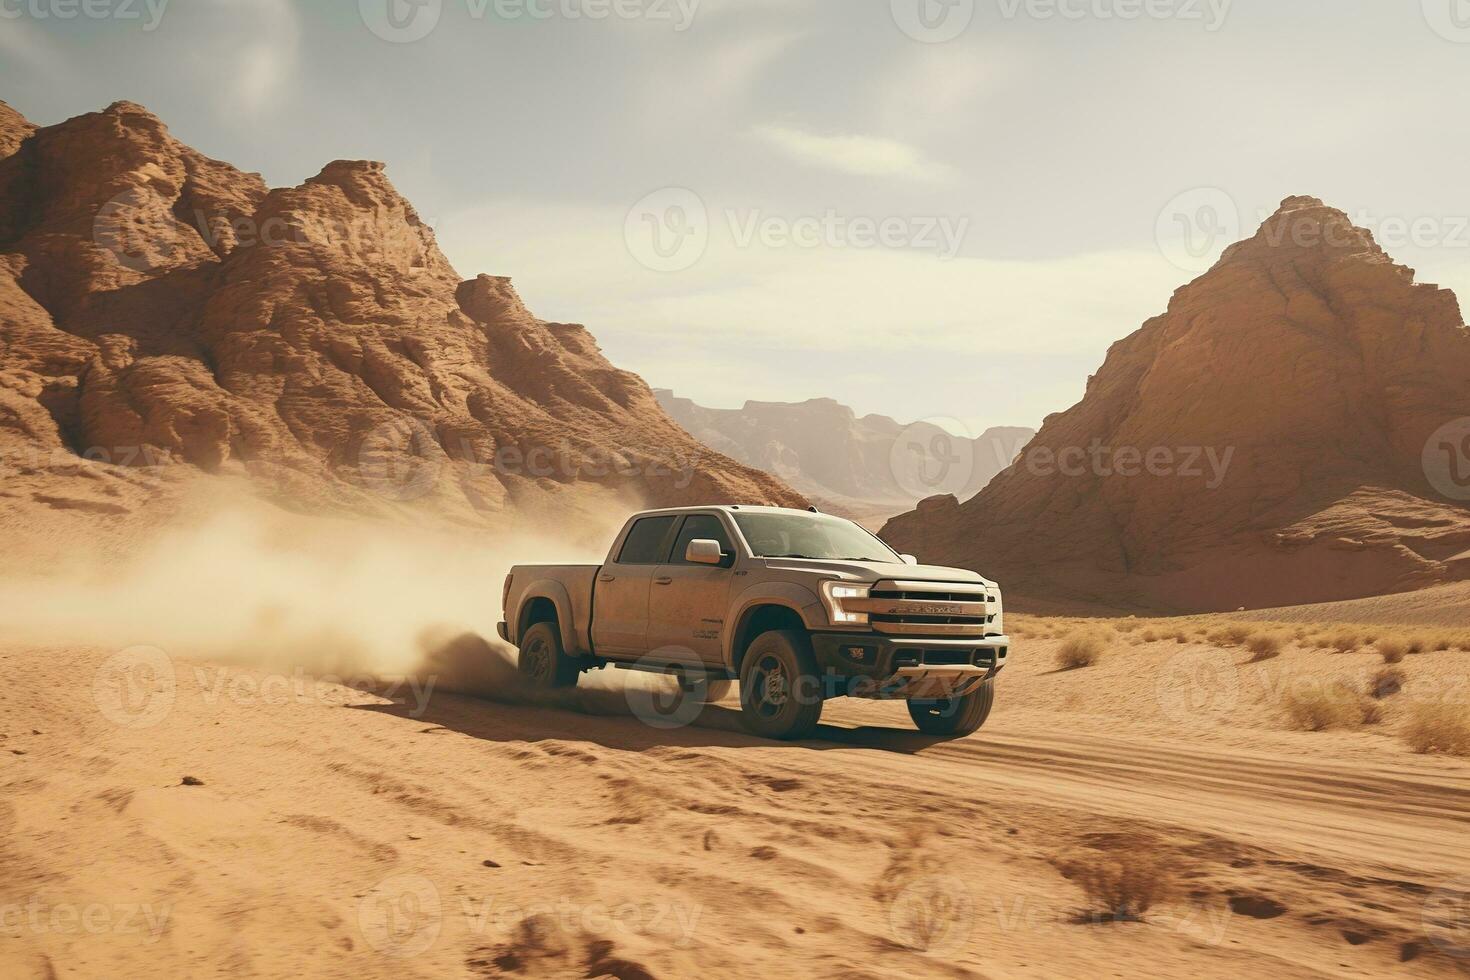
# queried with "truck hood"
point(872, 571)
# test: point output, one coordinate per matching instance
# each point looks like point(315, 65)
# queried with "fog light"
point(860, 655)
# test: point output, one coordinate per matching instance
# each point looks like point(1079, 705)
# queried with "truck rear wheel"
point(543, 662)
point(954, 716)
point(780, 690)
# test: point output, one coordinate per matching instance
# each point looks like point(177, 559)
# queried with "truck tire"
point(780, 689)
point(543, 662)
point(954, 716)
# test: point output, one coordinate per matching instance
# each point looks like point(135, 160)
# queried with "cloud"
point(1027, 333)
point(247, 50)
point(865, 156)
point(22, 42)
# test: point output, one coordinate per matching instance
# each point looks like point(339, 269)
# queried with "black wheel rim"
point(536, 660)
point(770, 687)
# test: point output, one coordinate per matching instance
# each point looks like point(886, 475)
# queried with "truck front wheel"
point(543, 663)
point(780, 689)
point(954, 716)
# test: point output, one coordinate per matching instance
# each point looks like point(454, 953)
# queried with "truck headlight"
point(834, 593)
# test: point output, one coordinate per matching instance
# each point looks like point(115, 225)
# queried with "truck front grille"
point(931, 609)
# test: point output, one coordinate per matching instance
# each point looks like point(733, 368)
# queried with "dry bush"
point(1148, 636)
point(1316, 709)
point(1345, 640)
point(1127, 626)
point(1081, 648)
point(1416, 644)
point(1238, 633)
point(1181, 637)
point(1388, 681)
point(1392, 651)
point(1264, 646)
point(1121, 884)
point(1437, 727)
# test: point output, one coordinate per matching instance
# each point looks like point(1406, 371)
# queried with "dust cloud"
point(253, 585)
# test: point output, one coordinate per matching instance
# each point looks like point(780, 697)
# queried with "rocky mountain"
point(872, 463)
point(1295, 428)
point(164, 314)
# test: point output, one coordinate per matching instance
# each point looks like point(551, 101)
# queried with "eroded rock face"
point(1261, 443)
point(159, 307)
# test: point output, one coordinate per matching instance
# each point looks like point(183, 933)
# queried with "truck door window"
point(699, 526)
point(645, 543)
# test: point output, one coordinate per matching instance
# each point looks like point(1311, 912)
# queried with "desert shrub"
point(1081, 648)
point(1388, 681)
point(1181, 637)
point(1416, 644)
point(1392, 651)
point(1128, 625)
point(1345, 641)
point(1148, 636)
point(1121, 884)
point(1437, 727)
point(1238, 633)
point(1264, 646)
point(1316, 709)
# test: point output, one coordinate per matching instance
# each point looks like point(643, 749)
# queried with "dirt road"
point(345, 833)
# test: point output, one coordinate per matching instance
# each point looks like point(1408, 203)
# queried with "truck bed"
point(578, 581)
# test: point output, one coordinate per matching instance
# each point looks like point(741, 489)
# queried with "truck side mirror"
point(909, 559)
point(704, 551)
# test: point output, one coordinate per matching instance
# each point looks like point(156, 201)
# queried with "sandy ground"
point(339, 832)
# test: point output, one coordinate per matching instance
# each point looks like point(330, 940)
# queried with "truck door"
point(686, 611)
point(620, 595)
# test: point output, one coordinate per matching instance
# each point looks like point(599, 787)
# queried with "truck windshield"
point(810, 536)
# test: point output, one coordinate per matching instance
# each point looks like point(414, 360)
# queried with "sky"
point(929, 209)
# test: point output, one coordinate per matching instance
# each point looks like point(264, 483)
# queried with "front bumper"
point(871, 665)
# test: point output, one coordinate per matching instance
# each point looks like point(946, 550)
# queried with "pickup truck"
point(797, 607)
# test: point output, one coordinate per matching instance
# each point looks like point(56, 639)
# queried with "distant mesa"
point(859, 466)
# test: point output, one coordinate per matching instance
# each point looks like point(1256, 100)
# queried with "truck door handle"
point(607, 578)
point(663, 580)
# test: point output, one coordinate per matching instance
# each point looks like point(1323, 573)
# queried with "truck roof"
point(728, 508)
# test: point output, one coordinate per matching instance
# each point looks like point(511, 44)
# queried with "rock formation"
point(1293, 429)
point(164, 313)
point(852, 464)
